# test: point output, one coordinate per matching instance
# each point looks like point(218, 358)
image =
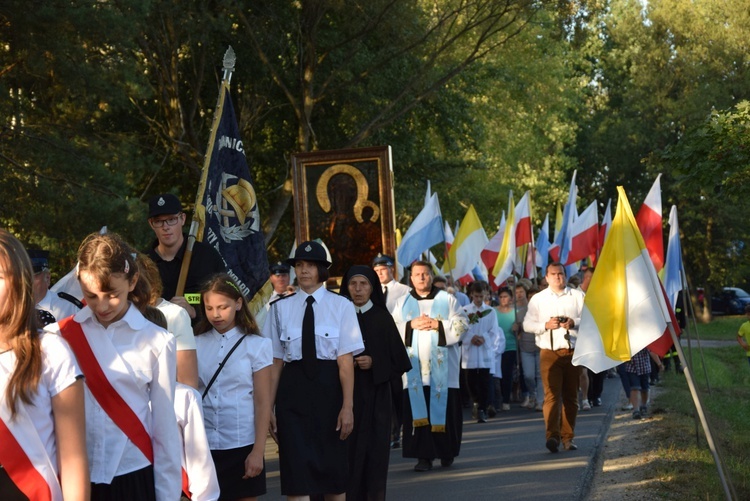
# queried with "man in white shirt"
point(553, 316)
point(392, 290)
point(50, 307)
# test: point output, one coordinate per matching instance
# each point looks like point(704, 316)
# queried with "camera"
point(562, 319)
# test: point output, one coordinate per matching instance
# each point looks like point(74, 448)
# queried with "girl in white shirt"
point(130, 368)
point(41, 395)
point(236, 390)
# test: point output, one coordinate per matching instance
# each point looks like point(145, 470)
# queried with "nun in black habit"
point(384, 358)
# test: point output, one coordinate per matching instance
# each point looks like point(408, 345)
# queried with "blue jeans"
point(531, 374)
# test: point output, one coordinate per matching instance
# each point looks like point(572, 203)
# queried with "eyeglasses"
point(158, 223)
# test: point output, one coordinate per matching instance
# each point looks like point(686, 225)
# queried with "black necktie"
point(385, 293)
point(309, 355)
point(45, 317)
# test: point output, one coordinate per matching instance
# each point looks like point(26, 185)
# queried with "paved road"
point(502, 459)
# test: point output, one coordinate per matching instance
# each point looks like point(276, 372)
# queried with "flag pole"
point(728, 487)
point(197, 223)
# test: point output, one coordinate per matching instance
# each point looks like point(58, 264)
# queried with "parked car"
point(730, 300)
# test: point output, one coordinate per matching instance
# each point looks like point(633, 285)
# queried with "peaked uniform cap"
point(279, 268)
point(309, 251)
point(162, 204)
point(39, 259)
point(383, 260)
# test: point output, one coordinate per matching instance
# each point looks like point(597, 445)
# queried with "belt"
point(564, 351)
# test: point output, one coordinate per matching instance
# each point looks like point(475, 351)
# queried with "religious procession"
point(326, 354)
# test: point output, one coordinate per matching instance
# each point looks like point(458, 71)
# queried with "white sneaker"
point(525, 403)
point(586, 406)
point(627, 407)
point(538, 406)
point(506, 407)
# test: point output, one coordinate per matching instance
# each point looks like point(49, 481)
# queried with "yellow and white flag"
point(624, 310)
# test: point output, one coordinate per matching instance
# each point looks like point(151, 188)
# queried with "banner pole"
point(728, 488)
point(196, 225)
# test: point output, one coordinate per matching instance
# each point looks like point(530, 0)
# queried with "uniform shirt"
point(196, 456)
point(479, 357)
point(228, 409)
point(336, 327)
point(396, 290)
point(59, 308)
point(205, 262)
point(453, 326)
point(59, 371)
point(547, 304)
point(178, 323)
point(147, 352)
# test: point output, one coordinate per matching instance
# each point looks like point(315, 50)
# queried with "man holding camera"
point(553, 316)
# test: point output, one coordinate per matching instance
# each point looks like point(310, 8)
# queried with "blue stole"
point(438, 367)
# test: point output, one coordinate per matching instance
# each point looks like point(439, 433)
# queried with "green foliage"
point(108, 103)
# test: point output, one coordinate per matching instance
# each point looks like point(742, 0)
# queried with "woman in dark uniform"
point(315, 335)
point(384, 358)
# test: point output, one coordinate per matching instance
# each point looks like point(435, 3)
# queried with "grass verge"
point(721, 328)
point(684, 466)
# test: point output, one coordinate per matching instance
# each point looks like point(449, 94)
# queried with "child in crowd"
point(743, 335)
point(234, 372)
point(42, 436)
point(199, 481)
point(638, 369)
point(478, 345)
point(129, 366)
point(178, 323)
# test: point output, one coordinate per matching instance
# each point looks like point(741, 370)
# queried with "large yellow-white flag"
point(467, 245)
point(624, 310)
point(506, 258)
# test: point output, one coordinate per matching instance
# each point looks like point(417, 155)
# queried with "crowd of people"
point(136, 392)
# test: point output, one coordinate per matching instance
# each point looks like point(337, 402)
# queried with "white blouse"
point(336, 326)
point(196, 456)
point(59, 371)
point(228, 409)
point(143, 369)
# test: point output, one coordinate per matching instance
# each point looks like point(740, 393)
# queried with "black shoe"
point(481, 417)
point(491, 412)
point(570, 446)
point(446, 462)
point(637, 415)
point(395, 444)
point(423, 465)
point(597, 402)
point(553, 444)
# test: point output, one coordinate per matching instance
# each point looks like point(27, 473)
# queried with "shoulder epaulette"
point(72, 299)
point(282, 297)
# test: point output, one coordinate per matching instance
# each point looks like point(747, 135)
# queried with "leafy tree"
point(712, 165)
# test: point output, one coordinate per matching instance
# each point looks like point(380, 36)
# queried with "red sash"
point(116, 408)
point(186, 485)
point(19, 467)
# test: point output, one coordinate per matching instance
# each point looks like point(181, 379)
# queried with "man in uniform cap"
point(50, 307)
point(392, 290)
point(166, 218)
point(279, 280)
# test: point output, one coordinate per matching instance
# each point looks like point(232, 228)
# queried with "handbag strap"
point(221, 366)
